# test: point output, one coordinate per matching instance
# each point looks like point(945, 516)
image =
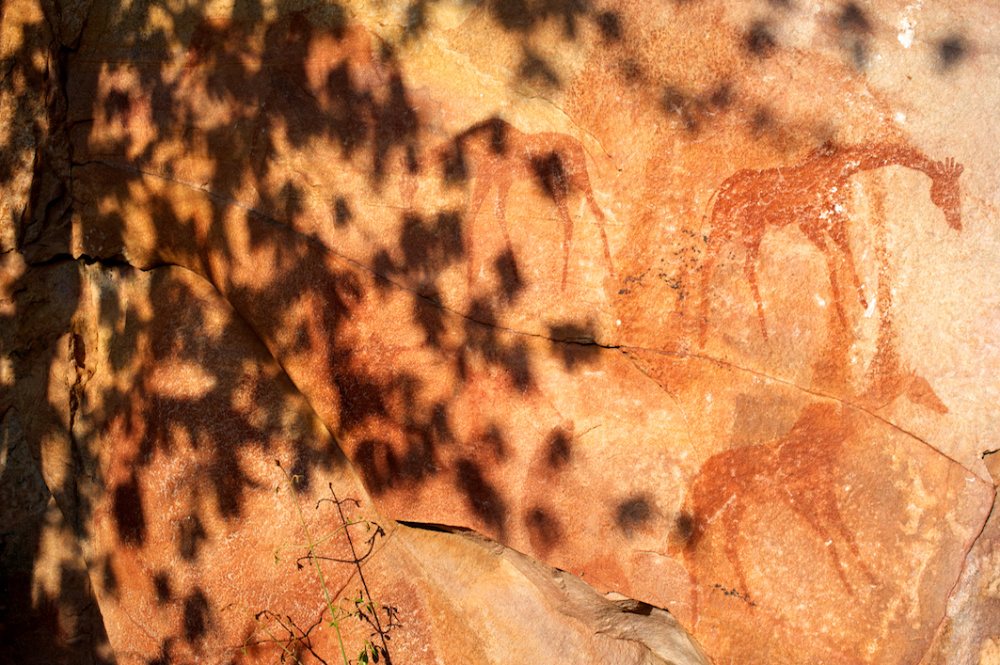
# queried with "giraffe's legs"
point(479, 193)
point(832, 515)
point(815, 521)
point(838, 233)
point(852, 544)
point(567, 222)
point(816, 236)
point(732, 545)
point(750, 270)
point(503, 186)
point(600, 224)
point(692, 570)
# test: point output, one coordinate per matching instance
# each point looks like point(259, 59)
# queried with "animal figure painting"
point(500, 154)
point(797, 472)
point(813, 195)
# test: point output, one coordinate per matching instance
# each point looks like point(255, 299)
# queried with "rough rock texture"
point(691, 304)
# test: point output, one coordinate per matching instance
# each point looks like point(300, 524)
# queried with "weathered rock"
point(688, 300)
point(24, 38)
point(49, 611)
point(197, 541)
point(968, 633)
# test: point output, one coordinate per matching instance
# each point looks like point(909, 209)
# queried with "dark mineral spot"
point(852, 19)
point(610, 24)
point(759, 40)
point(633, 514)
point(951, 51)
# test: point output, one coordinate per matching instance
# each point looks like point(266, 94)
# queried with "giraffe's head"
point(945, 191)
point(919, 391)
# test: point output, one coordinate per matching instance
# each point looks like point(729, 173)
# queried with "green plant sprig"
point(362, 607)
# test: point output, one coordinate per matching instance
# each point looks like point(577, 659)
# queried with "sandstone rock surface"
point(685, 303)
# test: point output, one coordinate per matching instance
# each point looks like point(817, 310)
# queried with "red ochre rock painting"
point(799, 523)
point(501, 155)
point(267, 258)
point(798, 473)
point(812, 195)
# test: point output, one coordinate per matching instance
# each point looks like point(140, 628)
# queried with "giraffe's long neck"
point(870, 157)
point(493, 134)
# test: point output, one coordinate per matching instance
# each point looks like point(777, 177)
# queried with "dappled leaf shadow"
point(212, 108)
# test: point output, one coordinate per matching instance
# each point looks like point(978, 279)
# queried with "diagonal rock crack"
point(626, 348)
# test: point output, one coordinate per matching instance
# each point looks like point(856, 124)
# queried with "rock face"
point(607, 332)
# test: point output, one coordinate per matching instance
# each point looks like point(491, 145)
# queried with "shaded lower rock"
point(48, 613)
point(171, 415)
point(48, 609)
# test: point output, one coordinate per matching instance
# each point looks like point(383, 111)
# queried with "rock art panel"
point(712, 350)
point(801, 498)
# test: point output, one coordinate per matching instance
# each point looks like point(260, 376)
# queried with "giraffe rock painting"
point(814, 196)
point(500, 155)
point(796, 473)
point(371, 241)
